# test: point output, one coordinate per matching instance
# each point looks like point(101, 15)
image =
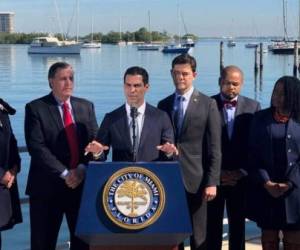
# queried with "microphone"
point(133, 115)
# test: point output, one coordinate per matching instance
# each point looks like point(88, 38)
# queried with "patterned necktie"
point(134, 131)
point(71, 135)
point(178, 115)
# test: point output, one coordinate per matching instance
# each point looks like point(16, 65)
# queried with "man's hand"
point(8, 178)
point(209, 193)
point(74, 178)
point(168, 148)
point(276, 189)
point(95, 147)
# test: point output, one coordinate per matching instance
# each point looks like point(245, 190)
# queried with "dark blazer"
point(47, 142)
point(157, 129)
point(199, 141)
point(261, 166)
point(10, 210)
point(235, 150)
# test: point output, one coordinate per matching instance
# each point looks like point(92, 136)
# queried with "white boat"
point(148, 46)
point(51, 45)
point(231, 43)
point(91, 45)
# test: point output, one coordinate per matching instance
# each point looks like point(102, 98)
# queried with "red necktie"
point(71, 135)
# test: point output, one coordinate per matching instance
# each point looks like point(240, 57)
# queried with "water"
point(98, 77)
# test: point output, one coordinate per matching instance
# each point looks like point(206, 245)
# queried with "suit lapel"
point(54, 112)
point(191, 109)
point(124, 126)
point(146, 126)
point(221, 110)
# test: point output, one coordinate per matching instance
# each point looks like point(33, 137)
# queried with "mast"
point(150, 35)
point(77, 21)
point(58, 19)
point(284, 20)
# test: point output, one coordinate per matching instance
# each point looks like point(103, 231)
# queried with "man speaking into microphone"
point(136, 131)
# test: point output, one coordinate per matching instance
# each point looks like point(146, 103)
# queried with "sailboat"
point(91, 44)
point(121, 42)
point(51, 45)
point(284, 46)
point(149, 46)
point(176, 48)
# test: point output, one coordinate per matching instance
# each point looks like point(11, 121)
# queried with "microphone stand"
point(133, 115)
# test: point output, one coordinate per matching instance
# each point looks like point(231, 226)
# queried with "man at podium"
point(136, 131)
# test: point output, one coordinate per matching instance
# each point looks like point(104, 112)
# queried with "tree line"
point(141, 35)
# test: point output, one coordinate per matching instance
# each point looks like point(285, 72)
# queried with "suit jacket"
point(10, 210)
point(47, 142)
point(235, 149)
point(261, 166)
point(114, 132)
point(199, 142)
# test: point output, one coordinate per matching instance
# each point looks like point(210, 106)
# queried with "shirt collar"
point(187, 95)
point(60, 103)
point(141, 109)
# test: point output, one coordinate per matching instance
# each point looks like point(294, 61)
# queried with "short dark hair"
point(185, 59)
point(229, 68)
point(55, 67)
point(136, 70)
point(291, 89)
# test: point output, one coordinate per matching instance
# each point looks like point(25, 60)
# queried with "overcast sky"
point(202, 17)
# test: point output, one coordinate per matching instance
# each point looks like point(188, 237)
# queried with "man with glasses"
point(198, 139)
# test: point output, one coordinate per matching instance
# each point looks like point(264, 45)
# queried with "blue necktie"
point(178, 115)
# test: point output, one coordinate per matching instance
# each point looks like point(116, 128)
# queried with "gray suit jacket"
point(199, 143)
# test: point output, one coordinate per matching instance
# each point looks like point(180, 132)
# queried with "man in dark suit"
point(198, 138)
point(58, 126)
point(152, 137)
point(236, 114)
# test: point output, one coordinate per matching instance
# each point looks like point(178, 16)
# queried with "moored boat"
point(51, 45)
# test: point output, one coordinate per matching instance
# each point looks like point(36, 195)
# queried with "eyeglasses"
point(183, 74)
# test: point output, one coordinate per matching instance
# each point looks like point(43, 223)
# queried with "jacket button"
point(291, 163)
point(289, 136)
point(289, 150)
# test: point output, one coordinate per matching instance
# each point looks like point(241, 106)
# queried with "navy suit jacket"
point(47, 142)
point(157, 129)
point(235, 149)
point(261, 167)
point(10, 210)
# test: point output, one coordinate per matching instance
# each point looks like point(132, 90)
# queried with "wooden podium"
point(103, 221)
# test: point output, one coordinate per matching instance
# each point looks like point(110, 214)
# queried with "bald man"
point(236, 113)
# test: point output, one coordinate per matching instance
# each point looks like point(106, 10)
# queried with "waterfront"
point(98, 77)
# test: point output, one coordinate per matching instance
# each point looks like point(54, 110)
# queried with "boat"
point(284, 46)
point(91, 44)
point(251, 45)
point(175, 49)
point(231, 43)
point(188, 42)
point(51, 45)
point(148, 46)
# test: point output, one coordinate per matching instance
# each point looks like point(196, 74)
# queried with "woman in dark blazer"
point(10, 211)
point(274, 167)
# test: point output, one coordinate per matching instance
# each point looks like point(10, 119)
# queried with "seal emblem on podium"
point(133, 198)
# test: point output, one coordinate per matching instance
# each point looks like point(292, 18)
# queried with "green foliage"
point(141, 35)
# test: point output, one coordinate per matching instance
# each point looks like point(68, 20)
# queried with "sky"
point(201, 17)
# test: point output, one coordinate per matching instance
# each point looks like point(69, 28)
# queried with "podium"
point(133, 205)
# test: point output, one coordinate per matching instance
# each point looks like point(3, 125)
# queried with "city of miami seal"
point(133, 198)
